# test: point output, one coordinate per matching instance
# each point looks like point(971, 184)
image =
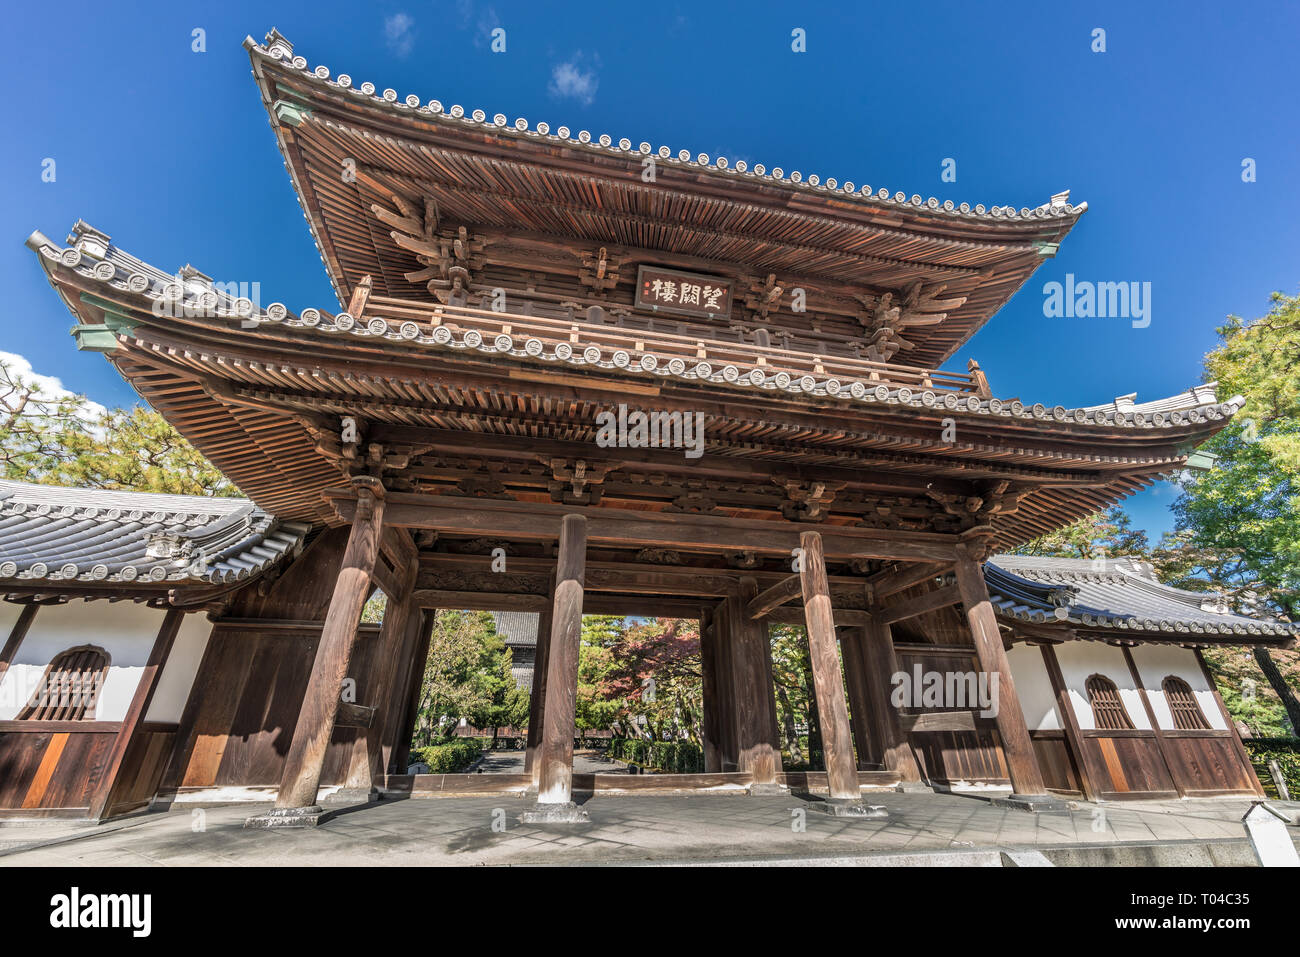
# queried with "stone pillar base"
point(768, 788)
point(839, 807)
point(913, 787)
point(353, 796)
point(287, 817)
point(1037, 803)
point(568, 813)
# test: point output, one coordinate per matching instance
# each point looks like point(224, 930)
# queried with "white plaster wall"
point(1034, 687)
point(126, 630)
point(1157, 662)
point(182, 665)
point(1080, 660)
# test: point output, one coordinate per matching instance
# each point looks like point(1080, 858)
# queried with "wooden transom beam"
point(783, 591)
point(919, 605)
point(619, 527)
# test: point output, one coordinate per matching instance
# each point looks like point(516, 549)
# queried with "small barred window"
point(1182, 705)
point(1107, 707)
point(70, 686)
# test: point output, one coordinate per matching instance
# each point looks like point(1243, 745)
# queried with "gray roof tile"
point(62, 535)
point(1119, 594)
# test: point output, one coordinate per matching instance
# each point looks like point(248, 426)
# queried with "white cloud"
point(570, 80)
point(398, 33)
point(49, 389)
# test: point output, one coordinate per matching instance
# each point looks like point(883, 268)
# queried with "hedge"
point(673, 757)
point(449, 757)
point(1286, 752)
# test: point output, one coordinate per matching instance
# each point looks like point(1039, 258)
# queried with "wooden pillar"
point(1091, 779)
point(311, 736)
point(408, 703)
point(755, 707)
point(879, 663)
point(724, 685)
point(537, 697)
point(100, 799)
point(866, 737)
point(710, 725)
point(837, 743)
point(16, 636)
point(1022, 764)
point(555, 755)
point(367, 761)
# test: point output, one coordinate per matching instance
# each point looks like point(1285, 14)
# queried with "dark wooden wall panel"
point(51, 769)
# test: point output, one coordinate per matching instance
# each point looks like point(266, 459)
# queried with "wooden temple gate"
point(509, 294)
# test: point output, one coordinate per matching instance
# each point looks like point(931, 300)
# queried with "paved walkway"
point(631, 829)
point(512, 762)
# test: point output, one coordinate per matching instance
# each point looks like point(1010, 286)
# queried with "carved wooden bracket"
point(807, 501)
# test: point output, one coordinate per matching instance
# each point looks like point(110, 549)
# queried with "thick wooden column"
point(311, 736)
point(367, 762)
point(710, 723)
point(755, 706)
point(537, 698)
point(866, 737)
point(724, 684)
point(100, 800)
point(837, 743)
point(1022, 765)
point(408, 704)
point(555, 755)
point(879, 664)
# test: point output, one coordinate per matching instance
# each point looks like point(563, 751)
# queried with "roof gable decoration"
point(119, 272)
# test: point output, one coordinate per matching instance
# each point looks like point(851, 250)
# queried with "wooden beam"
point(920, 604)
point(823, 648)
point(358, 716)
point(891, 581)
point(300, 778)
point(938, 721)
point(555, 757)
point(101, 799)
point(786, 590)
point(531, 521)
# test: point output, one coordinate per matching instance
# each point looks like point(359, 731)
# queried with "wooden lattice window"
point(70, 686)
point(1182, 705)
point(1107, 707)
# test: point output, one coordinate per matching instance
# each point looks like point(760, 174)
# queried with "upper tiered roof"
point(521, 183)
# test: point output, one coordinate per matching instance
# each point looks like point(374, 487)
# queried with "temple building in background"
point(505, 290)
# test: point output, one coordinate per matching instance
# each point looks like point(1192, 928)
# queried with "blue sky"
point(169, 151)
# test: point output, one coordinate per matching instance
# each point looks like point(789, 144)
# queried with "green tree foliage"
point(795, 701)
point(641, 677)
point(1239, 522)
point(62, 439)
point(466, 675)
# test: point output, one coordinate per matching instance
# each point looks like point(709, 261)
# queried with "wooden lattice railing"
point(667, 346)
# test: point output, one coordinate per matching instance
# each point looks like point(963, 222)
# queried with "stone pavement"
point(641, 829)
point(512, 762)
